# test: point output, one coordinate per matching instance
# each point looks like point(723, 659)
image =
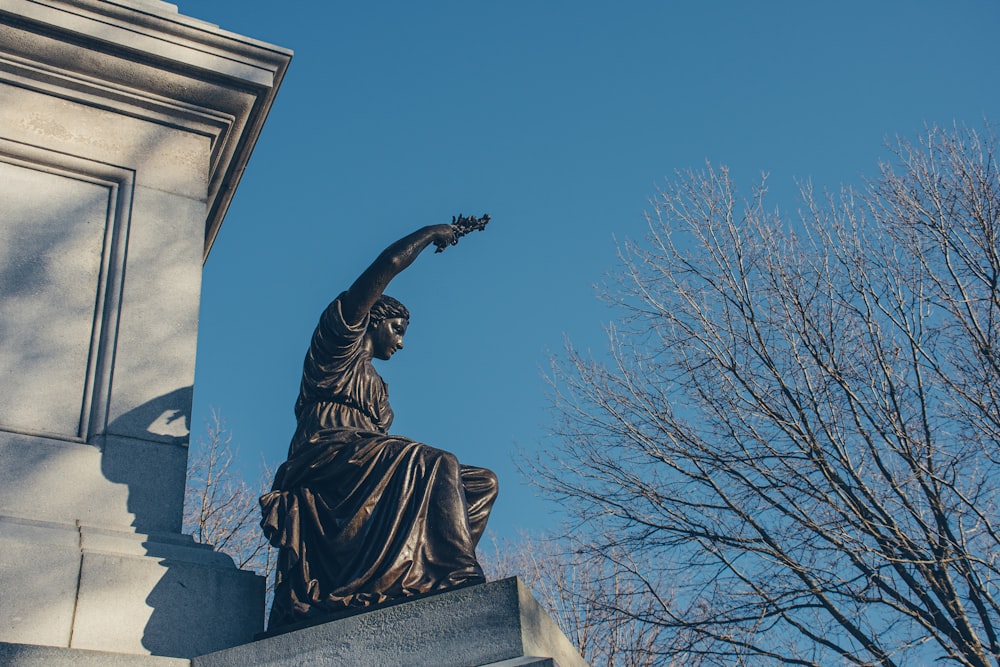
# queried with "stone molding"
point(142, 55)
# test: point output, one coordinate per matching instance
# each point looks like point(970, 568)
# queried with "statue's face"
point(387, 337)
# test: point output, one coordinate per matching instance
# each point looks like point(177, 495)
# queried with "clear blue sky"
point(560, 119)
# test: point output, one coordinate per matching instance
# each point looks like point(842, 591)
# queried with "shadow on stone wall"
point(202, 607)
point(166, 419)
point(146, 450)
point(200, 602)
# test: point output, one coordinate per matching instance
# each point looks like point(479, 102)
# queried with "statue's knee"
point(486, 483)
point(444, 460)
point(492, 482)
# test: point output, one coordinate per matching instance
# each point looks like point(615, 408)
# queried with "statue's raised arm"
point(366, 290)
point(360, 516)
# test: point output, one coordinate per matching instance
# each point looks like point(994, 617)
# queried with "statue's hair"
point(386, 308)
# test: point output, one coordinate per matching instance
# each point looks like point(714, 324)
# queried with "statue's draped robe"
point(360, 516)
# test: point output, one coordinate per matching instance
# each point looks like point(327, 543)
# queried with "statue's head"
point(387, 323)
point(386, 308)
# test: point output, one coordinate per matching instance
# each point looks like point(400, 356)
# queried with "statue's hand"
point(443, 236)
point(460, 226)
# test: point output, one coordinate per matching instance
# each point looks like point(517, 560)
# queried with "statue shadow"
point(146, 449)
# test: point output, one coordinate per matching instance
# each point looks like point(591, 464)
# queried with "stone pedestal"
point(124, 130)
point(499, 623)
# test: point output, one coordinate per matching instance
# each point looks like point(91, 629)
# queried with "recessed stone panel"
point(51, 249)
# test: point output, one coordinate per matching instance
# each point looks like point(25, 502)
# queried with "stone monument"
point(124, 131)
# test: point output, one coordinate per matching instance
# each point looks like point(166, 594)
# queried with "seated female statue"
point(360, 516)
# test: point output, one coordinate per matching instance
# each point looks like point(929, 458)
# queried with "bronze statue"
point(359, 516)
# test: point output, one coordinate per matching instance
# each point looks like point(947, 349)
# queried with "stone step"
point(28, 655)
point(498, 624)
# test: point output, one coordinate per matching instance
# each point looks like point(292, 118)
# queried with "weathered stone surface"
point(494, 623)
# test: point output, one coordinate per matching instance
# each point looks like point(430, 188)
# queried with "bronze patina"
point(359, 516)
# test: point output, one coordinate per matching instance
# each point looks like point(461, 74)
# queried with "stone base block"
point(498, 623)
point(81, 587)
point(26, 655)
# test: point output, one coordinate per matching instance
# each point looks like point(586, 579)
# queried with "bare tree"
point(220, 507)
point(591, 602)
point(798, 427)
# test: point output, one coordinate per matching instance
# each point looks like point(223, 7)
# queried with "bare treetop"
point(799, 428)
